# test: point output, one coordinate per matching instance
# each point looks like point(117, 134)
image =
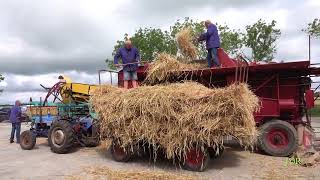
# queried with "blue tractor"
point(66, 121)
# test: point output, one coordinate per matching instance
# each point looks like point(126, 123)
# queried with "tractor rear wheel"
point(119, 153)
point(196, 160)
point(61, 136)
point(278, 138)
point(27, 140)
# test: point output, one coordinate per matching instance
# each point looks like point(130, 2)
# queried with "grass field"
point(316, 110)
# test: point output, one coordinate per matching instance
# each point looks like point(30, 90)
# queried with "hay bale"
point(165, 66)
point(177, 116)
point(187, 48)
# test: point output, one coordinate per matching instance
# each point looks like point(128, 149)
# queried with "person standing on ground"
point(15, 119)
point(212, 43)
point(130, 56)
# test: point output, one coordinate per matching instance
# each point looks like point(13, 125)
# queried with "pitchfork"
point(242, 70)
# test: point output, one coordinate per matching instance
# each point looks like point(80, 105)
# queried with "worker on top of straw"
point(212, 43)
point(130, 59)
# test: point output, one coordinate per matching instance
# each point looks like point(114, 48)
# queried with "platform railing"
point(111, 72)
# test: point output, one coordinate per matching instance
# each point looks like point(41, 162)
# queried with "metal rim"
point(194, 157)
point(278, 138)
point(58, 137)
point(119, 151)
point(25, 140)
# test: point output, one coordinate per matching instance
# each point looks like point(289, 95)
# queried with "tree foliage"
point(261, 38)
point(313, 28)
point(231, 39)
point(152, 40)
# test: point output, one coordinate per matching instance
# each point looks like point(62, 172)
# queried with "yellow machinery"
point(75, 92)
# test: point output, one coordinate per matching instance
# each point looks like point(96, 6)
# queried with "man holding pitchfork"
point(130, 60)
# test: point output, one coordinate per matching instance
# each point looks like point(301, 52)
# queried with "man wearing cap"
point(130, 58)
point(212, 43)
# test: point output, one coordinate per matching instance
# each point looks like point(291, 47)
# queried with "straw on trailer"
point(166, 66)
point(184, 39)
point(176, 117)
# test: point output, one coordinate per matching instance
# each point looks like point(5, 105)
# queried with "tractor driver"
point(212, 43)
point(130, 59)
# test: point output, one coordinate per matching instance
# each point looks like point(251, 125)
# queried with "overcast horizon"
point(39, 40)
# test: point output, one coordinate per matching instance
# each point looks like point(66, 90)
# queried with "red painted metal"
point(278, 138)
point(194, 157)
point(283, 88)
point(309, 99)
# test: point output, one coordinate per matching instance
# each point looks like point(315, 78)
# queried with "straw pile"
point(176, 117)
point(184, 39)
point(166, 66)
point(137, 175)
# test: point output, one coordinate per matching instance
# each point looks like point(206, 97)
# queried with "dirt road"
point(41, 163)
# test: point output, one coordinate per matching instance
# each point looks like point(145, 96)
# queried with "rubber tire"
point(68, 131)
point(93, 142)
point(292, 135)
point(27, 140)
point(201, 166)
point(124, 158)
point(213, 154)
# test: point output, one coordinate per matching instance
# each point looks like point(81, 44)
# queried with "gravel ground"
point(41, 163)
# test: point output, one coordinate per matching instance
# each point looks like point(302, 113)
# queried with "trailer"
point(285, 92)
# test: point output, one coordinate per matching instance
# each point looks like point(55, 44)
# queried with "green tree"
point(261, 38)
point(151, 40)
point(313, 28)
point(231, 39)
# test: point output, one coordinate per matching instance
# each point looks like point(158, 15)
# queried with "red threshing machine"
point(284, 90)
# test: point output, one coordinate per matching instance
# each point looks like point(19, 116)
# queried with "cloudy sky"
point(40, 39)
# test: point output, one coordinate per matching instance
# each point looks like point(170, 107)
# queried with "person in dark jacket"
point(15, 119)
point(129, 55)
point(212, 43)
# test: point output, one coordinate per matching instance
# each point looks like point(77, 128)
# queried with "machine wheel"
point(278, 138)
point(27, 140)
point(212, 152)
point(93, 139)
point(196, 160)
point(61, 137)
point(119, 153)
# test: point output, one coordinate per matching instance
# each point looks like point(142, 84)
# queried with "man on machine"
point(130, 59)
point(212, 43)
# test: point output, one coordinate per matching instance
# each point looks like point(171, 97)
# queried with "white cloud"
point(23, 87)
point(41, 39)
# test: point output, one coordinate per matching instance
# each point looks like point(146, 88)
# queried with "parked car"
point(4, 113)
point(5, 116)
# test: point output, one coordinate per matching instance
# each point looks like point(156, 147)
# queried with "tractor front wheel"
point(27, 140)
point(61, 136)
point(278, 138)
point(196, 159)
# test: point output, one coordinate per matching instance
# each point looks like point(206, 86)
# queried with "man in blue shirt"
point(130, 56)
point(15, 119)
point(212, 43)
